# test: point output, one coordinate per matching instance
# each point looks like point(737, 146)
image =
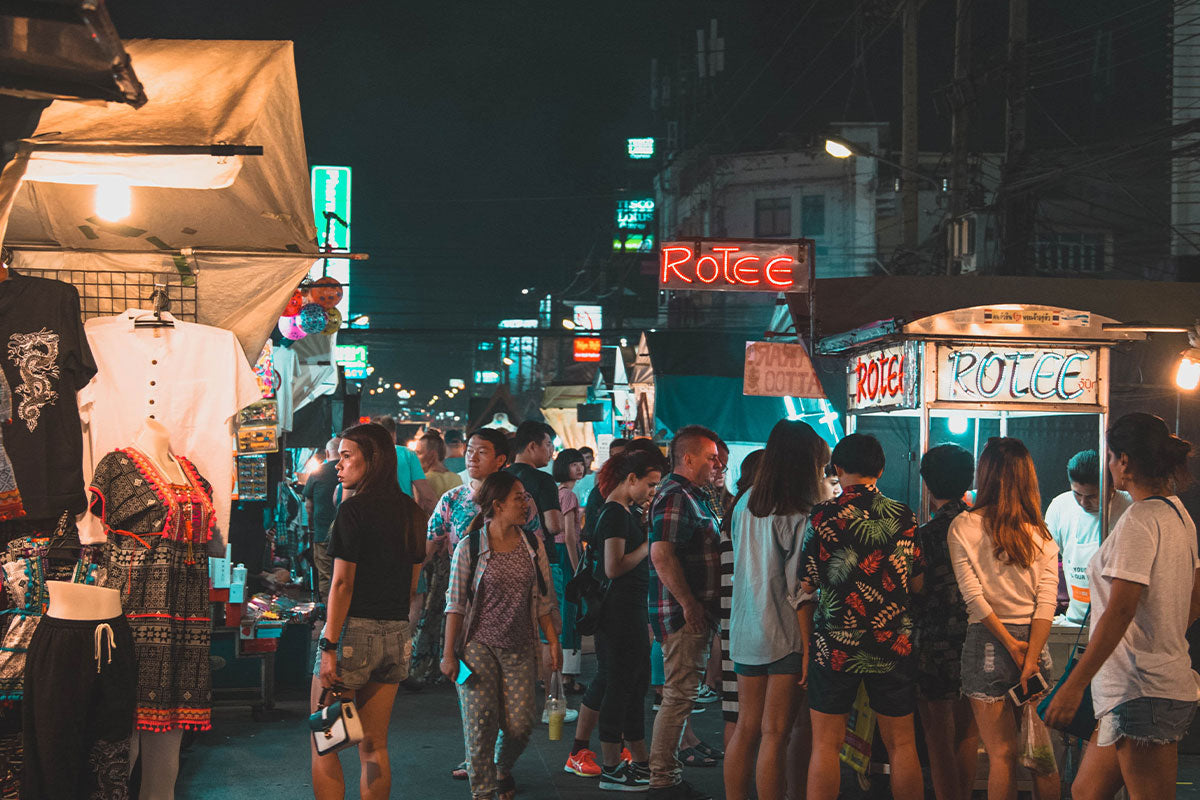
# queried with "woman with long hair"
point(568, 468)
point(1006, 564)
point(377, 544)
point(767, 641)
point(500, 593)
point(622, 648)
point(1145, 592)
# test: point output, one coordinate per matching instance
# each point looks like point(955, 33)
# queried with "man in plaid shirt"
point(684, 598)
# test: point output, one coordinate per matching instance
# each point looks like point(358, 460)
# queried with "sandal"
point(459, 773)
point(692, 757)
point(506, 788)
point(573, 687)
point(709, 751)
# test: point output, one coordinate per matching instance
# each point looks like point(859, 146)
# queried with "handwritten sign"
point(999, 374)
point(777, 369)
point(736, 265)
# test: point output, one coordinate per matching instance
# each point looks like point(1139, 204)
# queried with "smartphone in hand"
point(1037, 684)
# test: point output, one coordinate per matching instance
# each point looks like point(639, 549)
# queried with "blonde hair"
point(1010, 501)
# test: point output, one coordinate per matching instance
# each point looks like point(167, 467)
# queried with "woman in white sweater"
point(1006, 564)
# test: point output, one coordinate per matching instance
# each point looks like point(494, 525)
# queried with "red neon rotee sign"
point(736, 265)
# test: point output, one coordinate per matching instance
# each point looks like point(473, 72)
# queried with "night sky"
point(486, 137)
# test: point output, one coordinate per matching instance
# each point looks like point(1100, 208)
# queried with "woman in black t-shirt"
point(377, 544)
point(622, 648)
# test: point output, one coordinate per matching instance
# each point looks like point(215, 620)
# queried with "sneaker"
point(583, 764)
point(641, 772)
point(707, 694)
point(620, 779)
point(680, 791)
point(571, 716)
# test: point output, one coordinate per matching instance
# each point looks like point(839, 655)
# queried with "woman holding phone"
point(500, 592)
point(1006, 564)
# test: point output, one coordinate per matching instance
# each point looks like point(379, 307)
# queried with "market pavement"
point(267, 759)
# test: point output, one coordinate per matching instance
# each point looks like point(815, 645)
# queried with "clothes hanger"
point(160, 302)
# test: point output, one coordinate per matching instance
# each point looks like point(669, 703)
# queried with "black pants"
point(78, 710)
point(623, 661)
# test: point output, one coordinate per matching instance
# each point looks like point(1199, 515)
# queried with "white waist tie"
point(101, 629)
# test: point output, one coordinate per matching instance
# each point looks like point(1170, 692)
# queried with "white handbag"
point(335, 726)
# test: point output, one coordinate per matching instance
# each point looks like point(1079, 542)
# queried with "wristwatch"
point(325, 646)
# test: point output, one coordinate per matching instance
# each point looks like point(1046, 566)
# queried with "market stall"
point(151, 252)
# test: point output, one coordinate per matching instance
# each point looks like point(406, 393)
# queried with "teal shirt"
point(408, 469)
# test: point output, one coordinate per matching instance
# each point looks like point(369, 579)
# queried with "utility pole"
point(1016, 210)
point(960, 97)
point(909, 146)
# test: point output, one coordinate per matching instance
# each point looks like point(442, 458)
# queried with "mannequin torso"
point(154, 440)
point(81, 601)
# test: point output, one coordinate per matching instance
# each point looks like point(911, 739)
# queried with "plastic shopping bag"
point(1037, 753)
point(860, 733)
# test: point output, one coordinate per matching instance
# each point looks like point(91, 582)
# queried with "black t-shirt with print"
point(618, 523)
point(542, 488)
point(46, 360)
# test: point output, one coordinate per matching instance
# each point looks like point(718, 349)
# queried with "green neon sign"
point(331, 192)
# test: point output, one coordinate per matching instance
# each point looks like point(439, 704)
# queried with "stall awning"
point(240, 227)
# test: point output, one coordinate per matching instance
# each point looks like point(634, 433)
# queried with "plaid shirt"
point(680, 515)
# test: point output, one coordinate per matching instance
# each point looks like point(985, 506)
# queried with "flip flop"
point(709, 751)
point(691, 757)
point(459, 773)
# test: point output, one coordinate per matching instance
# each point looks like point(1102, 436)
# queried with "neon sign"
point(736, 265)
point(587, 348)
point(640, 148)
point(986, 374)
point(635, 225)
point(884, 378)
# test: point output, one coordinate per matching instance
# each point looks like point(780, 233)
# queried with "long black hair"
point(1155, 454)
point(788, 479)
point(379, 452)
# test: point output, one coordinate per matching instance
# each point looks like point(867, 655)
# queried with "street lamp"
point(840, 148)
point(837, 148)
point(1187, 376)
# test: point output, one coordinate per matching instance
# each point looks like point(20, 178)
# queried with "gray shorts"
point(988, 671)
point(1147, 720)
point(371, 651)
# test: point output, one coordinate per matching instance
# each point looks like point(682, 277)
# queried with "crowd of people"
point(797, 597)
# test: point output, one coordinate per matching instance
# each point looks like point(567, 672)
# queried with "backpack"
point(473, 552)
point(588, 590)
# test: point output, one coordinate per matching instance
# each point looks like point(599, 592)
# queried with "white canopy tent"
point(205, 212)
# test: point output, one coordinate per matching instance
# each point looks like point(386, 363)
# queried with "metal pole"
point(1102, 452)
point(1003, 424)
point(909, 146)
point(961, 119)
point(924, 448)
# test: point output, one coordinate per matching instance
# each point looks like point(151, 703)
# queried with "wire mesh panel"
point(104, 293)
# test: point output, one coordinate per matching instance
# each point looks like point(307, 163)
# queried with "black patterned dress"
point(158, 533)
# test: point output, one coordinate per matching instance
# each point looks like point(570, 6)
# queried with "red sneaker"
point(583, 764)
point(627, 756)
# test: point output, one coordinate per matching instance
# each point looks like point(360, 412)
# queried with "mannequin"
point(81, 601)
point(154, 440)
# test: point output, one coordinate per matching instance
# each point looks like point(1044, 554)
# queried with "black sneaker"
point(620, 779)
point(641, 772)
point(680, 791)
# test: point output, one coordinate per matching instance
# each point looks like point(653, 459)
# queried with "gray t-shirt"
point(1152, 546)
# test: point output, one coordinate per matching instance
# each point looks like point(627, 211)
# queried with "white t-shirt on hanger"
point(191, 378)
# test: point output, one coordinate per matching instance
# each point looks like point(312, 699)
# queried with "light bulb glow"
point(957, 424)
point(114, 200)
point(569, 324)
point(837, 149)
point(1187, 377)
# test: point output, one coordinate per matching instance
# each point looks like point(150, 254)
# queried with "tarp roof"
point(843, 304)
point(241, 226)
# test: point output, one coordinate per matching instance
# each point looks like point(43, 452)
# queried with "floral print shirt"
point(454, 512)
point(860, 554)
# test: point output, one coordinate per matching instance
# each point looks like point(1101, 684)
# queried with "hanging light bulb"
point(1187, 377)
point(114, 199)
point(957, 423)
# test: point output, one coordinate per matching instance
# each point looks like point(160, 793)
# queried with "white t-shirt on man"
point(1077, 534)
point(1152, 546)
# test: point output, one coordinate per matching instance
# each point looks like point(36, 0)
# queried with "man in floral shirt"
point(862, 561)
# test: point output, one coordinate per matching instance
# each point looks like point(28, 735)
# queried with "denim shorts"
point(1147, 720)
point(890, 694)
point(371, 651)
point(791, 664)
point(988, 671)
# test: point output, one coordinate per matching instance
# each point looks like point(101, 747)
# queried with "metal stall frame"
point(1008, 325)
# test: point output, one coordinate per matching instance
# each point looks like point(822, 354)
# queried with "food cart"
point(998, 362)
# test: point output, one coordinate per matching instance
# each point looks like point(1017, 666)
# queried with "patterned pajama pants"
point(497, 702)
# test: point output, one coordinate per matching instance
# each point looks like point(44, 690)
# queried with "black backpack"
point(473, 552)
point(588, 590)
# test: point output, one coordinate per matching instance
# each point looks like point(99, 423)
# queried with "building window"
point(812, 215)
point(773, 217)
point(1070, 252)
